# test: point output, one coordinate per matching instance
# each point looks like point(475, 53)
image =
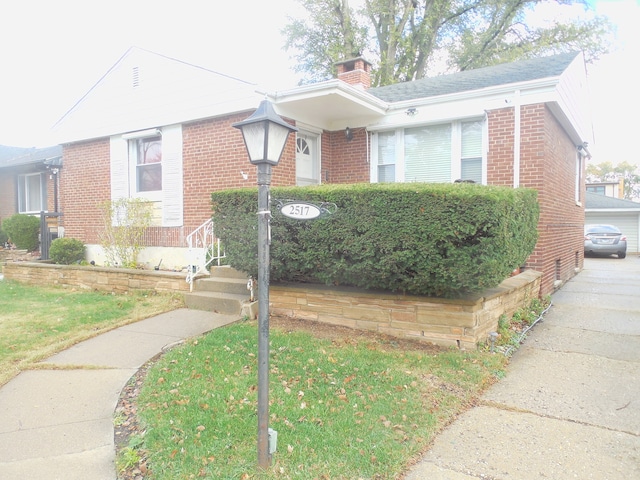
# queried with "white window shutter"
point(119, 154)
point(172, 195)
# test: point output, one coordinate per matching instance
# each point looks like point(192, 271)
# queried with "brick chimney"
point(356, 72)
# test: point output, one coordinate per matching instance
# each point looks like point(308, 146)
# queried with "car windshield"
point(600, 229)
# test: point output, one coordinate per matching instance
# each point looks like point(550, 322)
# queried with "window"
point(386, 157)
point(148, 164)
point(427, 154)
point(32, 193)
point(599, 189)
point(471, 158)
point(148, 159)
point(438, 153)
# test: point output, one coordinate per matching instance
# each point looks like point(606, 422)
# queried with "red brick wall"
point(345, 161)
point(84, 184)
point(213, 158)
point(501, 145)
point(547, 163)
point(51, 191)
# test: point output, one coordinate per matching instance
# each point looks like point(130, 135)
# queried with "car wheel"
point(622, 254)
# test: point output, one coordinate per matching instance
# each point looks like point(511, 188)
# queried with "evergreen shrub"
point(66, 251)
point(3, 236)
point(440, 240)
point(23, 231)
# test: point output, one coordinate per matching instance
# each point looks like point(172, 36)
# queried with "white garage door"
point(629, 224)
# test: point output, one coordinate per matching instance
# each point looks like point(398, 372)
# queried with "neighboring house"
point(610, 189)
point(158, 128)
point(624, 214)
point(29, 180)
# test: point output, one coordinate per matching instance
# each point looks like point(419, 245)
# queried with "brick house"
point(29, 180)
point(521, 124)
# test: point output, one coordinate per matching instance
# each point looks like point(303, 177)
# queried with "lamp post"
point(265, 135)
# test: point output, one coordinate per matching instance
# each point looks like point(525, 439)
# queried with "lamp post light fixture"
point(265, 136)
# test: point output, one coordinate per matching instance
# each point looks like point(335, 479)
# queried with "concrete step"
point(225, 303)
point(227, 272)
point(222, 285)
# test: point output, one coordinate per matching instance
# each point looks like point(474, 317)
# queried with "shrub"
point(3, 236)
point(426, 239)
point(125, 221)
point(23, 231)
point(65, 251)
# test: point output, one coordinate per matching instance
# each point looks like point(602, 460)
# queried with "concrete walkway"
point(58, 424)
point(569, 407)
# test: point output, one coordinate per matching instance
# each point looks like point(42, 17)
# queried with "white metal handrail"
point(204, 249)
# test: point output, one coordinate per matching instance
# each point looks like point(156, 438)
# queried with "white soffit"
point(331, 105)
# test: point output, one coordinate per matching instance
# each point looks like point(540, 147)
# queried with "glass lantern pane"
point(277, 139)
point(254, 139)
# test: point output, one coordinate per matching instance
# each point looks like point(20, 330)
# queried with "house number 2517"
point(300, 211)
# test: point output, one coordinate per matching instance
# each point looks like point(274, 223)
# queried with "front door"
point(307, 159)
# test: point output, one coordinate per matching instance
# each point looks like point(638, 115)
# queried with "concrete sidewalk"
point(569, 407)
point(58, 424)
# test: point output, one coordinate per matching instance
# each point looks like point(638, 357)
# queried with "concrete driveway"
point(569, 407)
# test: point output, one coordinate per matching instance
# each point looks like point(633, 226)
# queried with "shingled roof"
point(15, 156)
point(503, 74)
point(598, 201)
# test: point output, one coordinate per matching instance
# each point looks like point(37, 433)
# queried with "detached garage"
point(624, 214)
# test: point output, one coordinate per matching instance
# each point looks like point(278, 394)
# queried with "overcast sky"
point(52, 52)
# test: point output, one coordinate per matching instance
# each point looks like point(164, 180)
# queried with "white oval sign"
point(300, 211)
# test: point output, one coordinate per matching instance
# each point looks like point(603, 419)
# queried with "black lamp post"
point(265, 135)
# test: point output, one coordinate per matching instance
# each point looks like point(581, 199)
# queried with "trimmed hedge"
point(425, 239)
point(23, 231)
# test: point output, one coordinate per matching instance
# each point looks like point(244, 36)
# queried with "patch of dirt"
point(346, 335)
point(127, 425)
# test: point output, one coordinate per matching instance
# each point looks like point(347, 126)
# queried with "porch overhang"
point(332, 105)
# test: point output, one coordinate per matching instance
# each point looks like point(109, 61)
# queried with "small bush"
point(23, 231)
point(125, 221)
point(65, 251)
point(3, 236)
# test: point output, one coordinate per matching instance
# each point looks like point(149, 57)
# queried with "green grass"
point(36, 322)
point(353, 409)
point(510, 329)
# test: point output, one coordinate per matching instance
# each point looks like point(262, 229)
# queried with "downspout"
point(55, 189)
point(516, 139)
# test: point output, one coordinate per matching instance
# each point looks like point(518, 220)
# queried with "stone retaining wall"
point(460, 323)
point(95, 278)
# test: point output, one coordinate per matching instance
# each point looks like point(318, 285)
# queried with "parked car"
point(604, 239)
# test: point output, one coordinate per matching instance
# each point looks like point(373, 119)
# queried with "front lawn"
point(345, 404)
point(37, 322)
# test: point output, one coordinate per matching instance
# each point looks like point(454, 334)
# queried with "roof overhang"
point(332, 105)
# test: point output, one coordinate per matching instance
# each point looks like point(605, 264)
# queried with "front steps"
point(224, 291)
